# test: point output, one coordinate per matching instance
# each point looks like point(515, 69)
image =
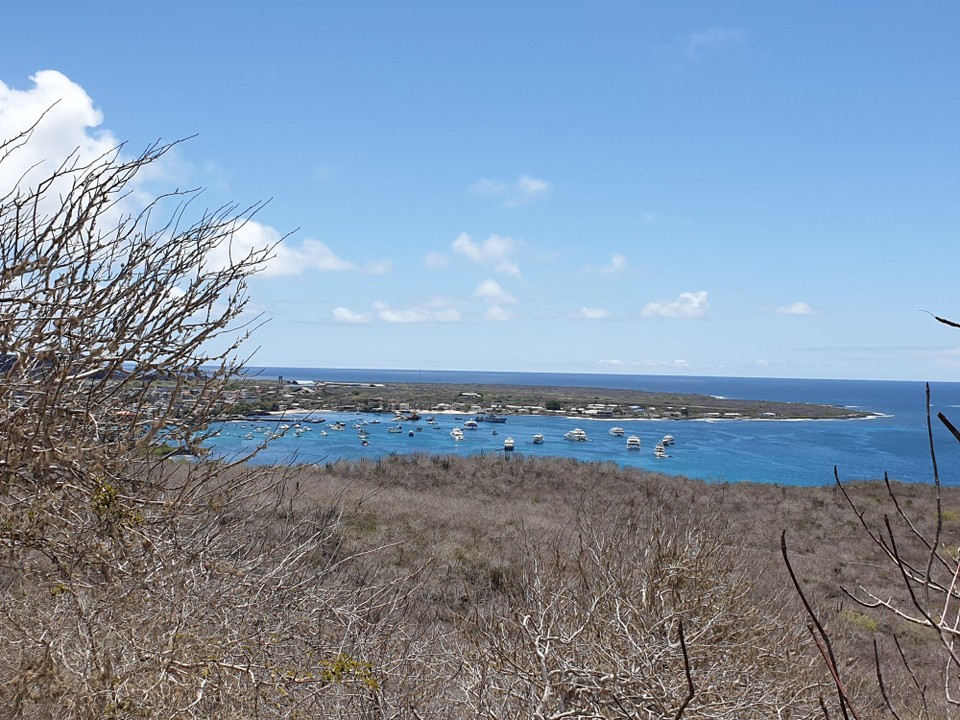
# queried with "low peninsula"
point(261, 394)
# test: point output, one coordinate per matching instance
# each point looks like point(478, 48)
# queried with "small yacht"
point(456, 434)
point(470, 424)
point(616, 431)
point(508, 444)
point(538, 439)
point(659, 451)
point(395, 429)
point(668, 440)
point(633, 442)
point(577, 435)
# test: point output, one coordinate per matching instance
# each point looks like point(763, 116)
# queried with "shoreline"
point(576, 403)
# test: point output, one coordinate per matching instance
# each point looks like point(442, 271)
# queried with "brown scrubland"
point(136, 585)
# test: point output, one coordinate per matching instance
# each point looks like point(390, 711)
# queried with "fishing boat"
point(633, 442)
point(508, 444)
point(616, 431)
point(577, 435)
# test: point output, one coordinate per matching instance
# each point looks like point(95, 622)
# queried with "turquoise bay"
point(784, 452)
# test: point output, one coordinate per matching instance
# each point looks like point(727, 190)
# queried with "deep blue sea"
point(785, 452)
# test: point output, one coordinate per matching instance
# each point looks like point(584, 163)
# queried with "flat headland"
point(263, 395)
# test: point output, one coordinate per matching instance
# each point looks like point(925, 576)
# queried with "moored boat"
point(577, 435)
point(659, 451)
point(616, 431)
point(668, 440)
point(538, 439)
point(456, 434)
point(633, 442)
point(508, 444)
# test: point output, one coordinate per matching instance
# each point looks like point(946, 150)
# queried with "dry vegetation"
point(136, 586)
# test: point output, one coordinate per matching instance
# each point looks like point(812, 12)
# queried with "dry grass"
point(476, 519)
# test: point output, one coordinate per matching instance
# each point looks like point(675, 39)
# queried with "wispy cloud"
point(416, 314)
point(496, 251)
point(525, 189)
point(345, 315)
point(797, 308)
point(590, 313)
point(618, 264)
point(435, 261)
point(713, 37)
point(491, 291)
point(495, 313)
point(688, 305)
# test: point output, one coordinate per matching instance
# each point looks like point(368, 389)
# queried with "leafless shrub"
point(131, 585)
point(637, 614)
point(922, 601)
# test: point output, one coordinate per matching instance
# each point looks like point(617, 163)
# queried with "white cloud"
point(614, 362)
point(491, 291)
point(435, 261)
point(590, 313)
point(416, 315)
point(713, 37)
point(496, 313)
point(688, 305)
point(618, 263)
point(496, 252)
point(345, 315)
point(797, 308)
point(525, 189)
point(69, 126)
point(287, 259)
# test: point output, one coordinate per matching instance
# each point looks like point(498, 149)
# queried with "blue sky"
point(702, 188)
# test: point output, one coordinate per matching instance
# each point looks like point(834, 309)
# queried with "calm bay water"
point(786, 452)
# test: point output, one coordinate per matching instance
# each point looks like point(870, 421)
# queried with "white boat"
point(470, 424)
point(577, 435)
point(538, 439)
point(616, 431)
point(508, 444)
point(659, 451)
point(395, 429)
point(668, 440)
point(456, 434)
point(633, 442)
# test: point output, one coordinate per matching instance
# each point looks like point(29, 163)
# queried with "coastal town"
point(260, 395)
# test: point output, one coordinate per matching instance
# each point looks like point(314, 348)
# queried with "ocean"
point(768, 451)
